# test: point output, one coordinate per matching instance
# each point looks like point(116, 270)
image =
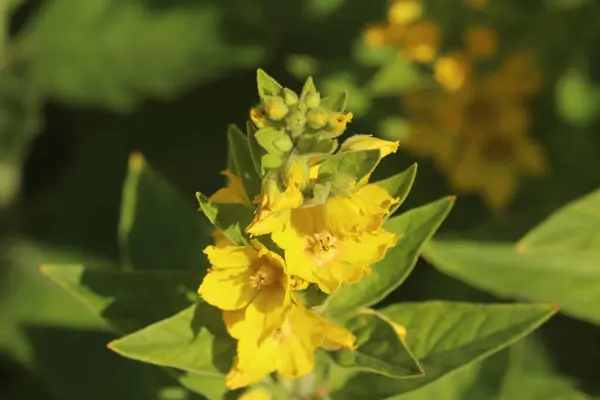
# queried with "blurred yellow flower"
point(452, 71)
point(481, 42)
point(403, 12)
point(421, 41)
point(478, 135)
point(315, 254)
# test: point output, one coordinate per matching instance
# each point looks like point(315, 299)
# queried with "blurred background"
point(497, 101)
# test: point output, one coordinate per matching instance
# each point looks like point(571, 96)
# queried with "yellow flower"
point(220, 239)
point(275, 202)
point(452, 71)
point(246, 278)
point(257, 393)
point(481, 42)
point(421, 41)
point(289, 349)
point(404, 11)
point(234, 191)
point(338, 122)
point(315, 254)
point(337, 337)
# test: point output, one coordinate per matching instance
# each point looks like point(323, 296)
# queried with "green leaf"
point(335, 102)
point(231, 218)
point(315, 145)
point(572, 229)
point(399, 185)
point(417, 227)
point(357, 164)
point(397, 76)
point(445, 336)
point(139, 50)
point(194, 340)
point(523, 371)
point(379, 349)
point(239, 150)
point(127, 301)
point(569, 280)
point(256, 152)
point(267, 86)
point(20, 118)
point(158, 228)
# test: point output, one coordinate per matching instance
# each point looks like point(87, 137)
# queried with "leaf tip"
point(452, 198)
point(43, 269)
point(111, 345)
point(136, 160)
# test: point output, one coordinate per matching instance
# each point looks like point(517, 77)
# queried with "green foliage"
point(416, 227)
point(230, 218)
point(356, 164)
point(154, 217)
point(138, 50)
point(193, 340)
point(444, 336)
point(399, 185)
point(242, 161)
point(380, 350)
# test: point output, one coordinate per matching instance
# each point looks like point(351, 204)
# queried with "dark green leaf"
point(159, 229)
point(417, 226)
point(399, 185)
point(239, 150)
point(256, 152)
point(231, 218)
point(194, 340)
point(379, 350)
point(357, 164)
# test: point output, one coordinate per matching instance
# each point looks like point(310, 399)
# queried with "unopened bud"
point(313, 100)
point(290, 98)
point(275, 108)
point(317, 117)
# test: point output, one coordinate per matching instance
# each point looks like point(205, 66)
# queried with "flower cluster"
point(317, 225)
point(475, 123)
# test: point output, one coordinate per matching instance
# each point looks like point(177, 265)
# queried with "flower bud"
point(257, 116)
point(367, 142)
point(317, 117)
point(289, 97)
point(295, 172)
point(275, 108)
point(338, 121)
point(283, 143)
point(296, 121)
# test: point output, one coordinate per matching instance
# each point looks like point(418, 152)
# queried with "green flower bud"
point(317, 117)
point(313, 100)
point(290, 98)
point(275, 108)
point(283, 143)
point(296, 121)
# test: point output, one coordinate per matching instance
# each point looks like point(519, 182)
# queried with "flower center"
point(481, 113)
point(322, 247)
point(265, 275)
point(498, 149)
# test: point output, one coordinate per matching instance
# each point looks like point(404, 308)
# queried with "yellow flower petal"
point(235, 322)
point(237, 378)
point(452, 71)
point(234, 191)
point(220, 239)
point(230, 256)
point(481, 41)
point(421, 41)
point(337, 337)
point(404, 11)
point(368, 142)
point(258, 393)
point(228, 289)
point(265, 312)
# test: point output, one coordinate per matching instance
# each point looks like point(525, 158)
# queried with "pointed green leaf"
point(316, 145)
point(256, 152)
point(231, 218)
point(399, 185)
point(357, 164)
point(193, 340)
point(159, 229)
point(308, 88)
point(569, 280)
point(336, 102)
point(127, 300)
point(239, 148)
point(212, 387)
point(379, 349)
point(417, 226)
point(267, 86)
point(445, 336)
point(572, 229)
point(138, 51)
